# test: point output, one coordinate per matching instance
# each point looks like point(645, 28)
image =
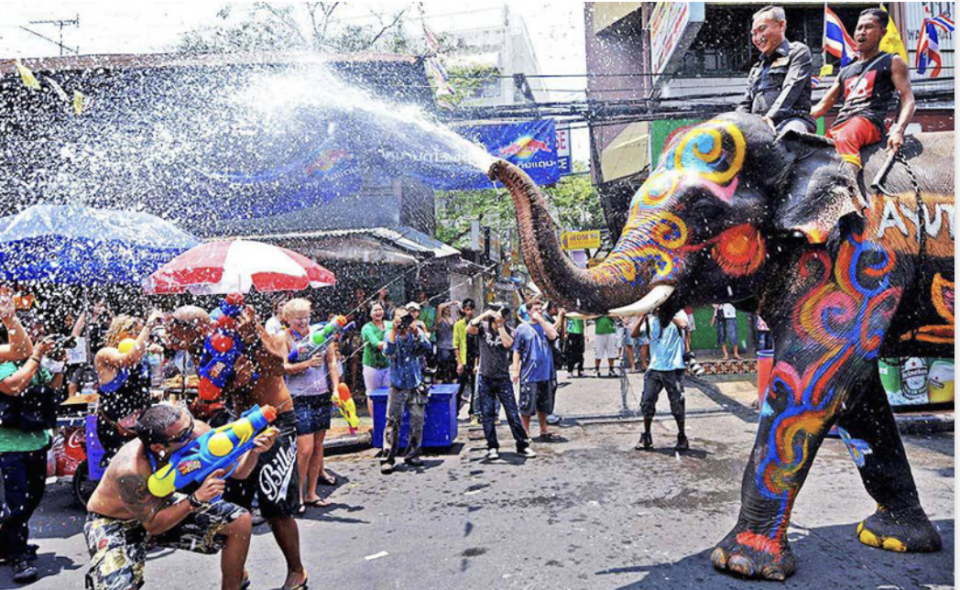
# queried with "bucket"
point(764, 369)
point(890, 375)
point(940, 381)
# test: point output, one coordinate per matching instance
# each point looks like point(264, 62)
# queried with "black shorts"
point(653, 382)
point(274, 480)
point(314, 413)
point(536, 396)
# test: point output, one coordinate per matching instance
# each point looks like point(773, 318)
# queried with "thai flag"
point(944, 22)
point(928, 49)
point(814, 82)
point(836, 41)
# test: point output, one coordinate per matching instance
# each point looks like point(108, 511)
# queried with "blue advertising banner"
point(436, 162)
point(531, 146)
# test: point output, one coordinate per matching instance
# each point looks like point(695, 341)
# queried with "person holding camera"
point(406, 347)
point(495, 338)
point(28, 411)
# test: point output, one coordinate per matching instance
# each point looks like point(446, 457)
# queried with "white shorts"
point(605, 347)
point(374, 379)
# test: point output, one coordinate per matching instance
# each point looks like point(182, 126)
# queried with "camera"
point(693, 366)
point(63, 342)
point(405, 322)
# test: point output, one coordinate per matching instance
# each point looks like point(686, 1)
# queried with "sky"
point(556, 30)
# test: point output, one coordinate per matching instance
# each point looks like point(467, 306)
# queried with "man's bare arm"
point(908, 104)
point(827, 101)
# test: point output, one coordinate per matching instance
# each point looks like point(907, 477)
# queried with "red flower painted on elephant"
point(759, 543)
point(740, 250)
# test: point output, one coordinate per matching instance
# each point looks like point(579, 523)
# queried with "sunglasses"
point(184, 435)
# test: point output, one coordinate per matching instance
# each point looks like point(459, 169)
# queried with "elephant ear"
point(817, 192)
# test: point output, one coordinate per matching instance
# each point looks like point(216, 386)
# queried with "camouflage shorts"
point(118, 548)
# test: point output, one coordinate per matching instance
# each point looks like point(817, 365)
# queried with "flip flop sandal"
point(318, 503)
point(328, 482)
point(301, 586)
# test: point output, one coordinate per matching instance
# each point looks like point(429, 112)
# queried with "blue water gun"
point(221, 350)
point(319, 338)
point(220, 448)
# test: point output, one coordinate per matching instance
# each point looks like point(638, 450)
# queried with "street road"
point(588, 512)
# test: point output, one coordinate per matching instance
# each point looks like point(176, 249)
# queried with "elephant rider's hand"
point(895, 140)
point(770, 122)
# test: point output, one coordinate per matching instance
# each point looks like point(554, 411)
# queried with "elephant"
point(733, 213)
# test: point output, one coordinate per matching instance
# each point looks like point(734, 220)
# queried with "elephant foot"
point(750, 555)
point(905, 531)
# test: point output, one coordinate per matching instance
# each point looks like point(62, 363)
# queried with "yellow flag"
point(78, 102)
point(891, 42)
point(29, 80)
point(826, 70)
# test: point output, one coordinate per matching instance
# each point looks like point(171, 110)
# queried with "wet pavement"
point(588, 512)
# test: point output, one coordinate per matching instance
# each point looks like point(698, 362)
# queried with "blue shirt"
point(536, 353)
point(405, 355)
point(666, 346)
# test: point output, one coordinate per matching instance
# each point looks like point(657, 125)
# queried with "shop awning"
point(393, 245)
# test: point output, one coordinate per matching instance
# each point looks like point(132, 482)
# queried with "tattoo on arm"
point(137, 497)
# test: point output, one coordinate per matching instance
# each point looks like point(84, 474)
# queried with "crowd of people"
point(401, 349)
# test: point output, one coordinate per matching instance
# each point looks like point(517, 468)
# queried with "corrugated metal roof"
point(405, 238)
point(173, 60)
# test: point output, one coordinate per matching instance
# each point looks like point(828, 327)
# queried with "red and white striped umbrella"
point(216, 268)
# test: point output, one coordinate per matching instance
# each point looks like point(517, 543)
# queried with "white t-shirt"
point(273, 326)
point(729, 311)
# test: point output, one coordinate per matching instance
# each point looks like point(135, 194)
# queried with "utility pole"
point(60, 23)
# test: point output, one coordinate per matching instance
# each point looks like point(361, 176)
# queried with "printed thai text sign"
point(580, 240)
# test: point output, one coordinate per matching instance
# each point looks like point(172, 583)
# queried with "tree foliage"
point(573, 203)
point(308, 26)
point(468, 82)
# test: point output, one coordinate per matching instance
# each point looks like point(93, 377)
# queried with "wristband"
point(195, 502)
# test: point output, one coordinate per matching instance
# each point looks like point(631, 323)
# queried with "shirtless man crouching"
point(123, 513)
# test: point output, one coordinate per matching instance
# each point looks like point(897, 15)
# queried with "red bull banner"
point(532, 146)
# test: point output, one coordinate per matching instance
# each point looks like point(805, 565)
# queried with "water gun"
point(217, 449)
point(347, 407)
point(221, 350)
point(320, 336)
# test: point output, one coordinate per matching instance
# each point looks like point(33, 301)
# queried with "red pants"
point(851, 135)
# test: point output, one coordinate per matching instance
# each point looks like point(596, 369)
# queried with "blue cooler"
point(439, 422)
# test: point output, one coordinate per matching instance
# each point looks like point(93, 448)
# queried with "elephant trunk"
point(570, 287)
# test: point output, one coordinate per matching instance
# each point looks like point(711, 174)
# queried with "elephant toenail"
point(891, 544)
point(742, 565)
point(772, 572)
point(718, 558)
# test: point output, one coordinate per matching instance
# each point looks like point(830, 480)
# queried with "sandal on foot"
point(331, 481)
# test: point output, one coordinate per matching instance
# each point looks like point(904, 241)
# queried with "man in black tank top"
point(869, 90)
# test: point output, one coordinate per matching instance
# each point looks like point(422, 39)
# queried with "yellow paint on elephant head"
point(704, 163)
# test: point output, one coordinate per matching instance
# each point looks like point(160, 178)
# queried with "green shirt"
point(574, 326)
point(16, 441)
point(372, 337)
point(428, 315)
point(606, 325)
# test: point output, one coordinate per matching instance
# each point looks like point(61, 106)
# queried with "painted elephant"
point(733, 214)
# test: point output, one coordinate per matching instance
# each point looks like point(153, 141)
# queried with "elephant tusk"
point(650, 302)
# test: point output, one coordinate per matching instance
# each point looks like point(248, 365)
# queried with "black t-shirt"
point(868, 90)
point(494, 358)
